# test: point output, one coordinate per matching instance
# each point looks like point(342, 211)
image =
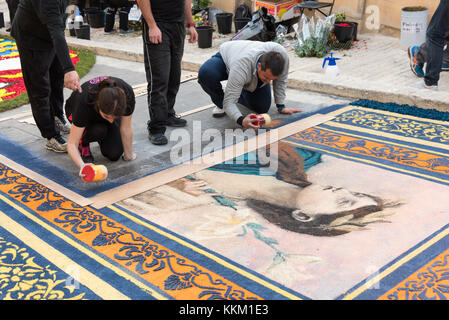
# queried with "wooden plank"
point(199, 109)
point(160, 178)
point(17, 116)
point(69, 194)
point(141, 89)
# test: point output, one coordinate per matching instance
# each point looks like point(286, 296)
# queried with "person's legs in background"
point(438, 27)
point(123, 21)
point(12, 7)
point(110, 20)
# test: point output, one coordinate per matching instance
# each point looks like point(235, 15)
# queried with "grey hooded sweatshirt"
point(241, 58)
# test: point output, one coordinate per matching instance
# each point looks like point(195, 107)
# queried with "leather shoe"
point(158, 139)
point(174, 121)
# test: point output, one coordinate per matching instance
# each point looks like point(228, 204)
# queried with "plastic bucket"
point(240, 23)
point(204, 36)
point(224, 22)
point(83, 32)
point(413, 26)
point(96, 19)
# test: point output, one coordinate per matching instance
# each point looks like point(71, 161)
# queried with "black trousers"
point(163, 72)
point(106, 134)
point(436, 31)
point(44, 81)
point(12, 7)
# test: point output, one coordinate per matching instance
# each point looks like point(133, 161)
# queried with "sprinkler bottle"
point(332, 68)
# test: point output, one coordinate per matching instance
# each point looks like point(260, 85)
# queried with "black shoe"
point(174, 121)
point(86, 154)
point(158, 139)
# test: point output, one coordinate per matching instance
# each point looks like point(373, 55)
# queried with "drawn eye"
point(345, 202)
point(301, 216)
point(357, 194)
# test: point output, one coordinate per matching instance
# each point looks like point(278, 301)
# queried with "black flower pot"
point(240, 23)
point(204, 36)
point(224, 22)
point(344, 31)
point(83, 32)
point(96, 19)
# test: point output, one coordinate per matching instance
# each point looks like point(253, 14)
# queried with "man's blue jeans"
point(214, 70)
point(438, 27)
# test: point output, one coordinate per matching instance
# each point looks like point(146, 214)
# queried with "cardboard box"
point(280, 10)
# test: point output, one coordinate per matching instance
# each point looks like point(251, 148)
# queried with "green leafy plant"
point(312, 47)
point(201, 4)
point(340, 17)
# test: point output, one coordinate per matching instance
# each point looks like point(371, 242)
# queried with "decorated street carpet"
point(11, 79)
point(355, 208)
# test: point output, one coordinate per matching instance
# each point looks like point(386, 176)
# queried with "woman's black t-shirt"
point(80, 109)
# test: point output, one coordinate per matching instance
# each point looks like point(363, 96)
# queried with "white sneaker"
point(423, 85)
point(218, 112)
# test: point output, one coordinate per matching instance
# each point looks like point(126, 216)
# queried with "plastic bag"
point(261, 27)
point(312, 38)
point(281, 31)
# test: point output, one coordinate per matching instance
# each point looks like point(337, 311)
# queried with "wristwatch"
point(190, 24)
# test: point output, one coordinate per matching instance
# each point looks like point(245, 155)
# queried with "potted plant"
point(343, 29)
point(200, 5)
point(204, 29)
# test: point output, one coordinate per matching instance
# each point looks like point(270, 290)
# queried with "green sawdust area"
point(86, 60)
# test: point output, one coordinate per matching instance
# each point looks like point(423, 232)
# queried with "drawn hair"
point(323, 225)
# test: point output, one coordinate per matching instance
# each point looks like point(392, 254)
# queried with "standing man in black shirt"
point(164, 31)
point(38, 28)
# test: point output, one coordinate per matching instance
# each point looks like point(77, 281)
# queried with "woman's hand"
point(131, 157)
point(81, 169)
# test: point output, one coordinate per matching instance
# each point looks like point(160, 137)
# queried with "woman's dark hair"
point(111, 99)
point(274, 61)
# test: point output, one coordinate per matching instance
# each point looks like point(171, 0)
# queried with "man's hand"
point(193, 34)
point(250, 123)
point(72, 81)
point(155, 34)
point(290, 110)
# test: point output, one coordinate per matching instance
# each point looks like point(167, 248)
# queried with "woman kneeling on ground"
point(101, 113)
